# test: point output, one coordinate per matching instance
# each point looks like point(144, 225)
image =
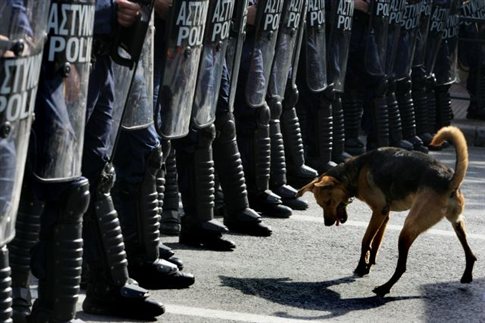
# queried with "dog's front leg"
point(377, 221)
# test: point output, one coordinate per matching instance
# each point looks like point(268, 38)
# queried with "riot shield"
point(341, 13)
point(407, 39)
point(422, 33)
point(286, 46)
point(396, 13)
point(438, 19)
point(315, 46)
point(216, 40)
point(263, 52)
point(376, 40)
point(139, 101)
point(185, 27)
point(446, 68)
point(61, 103)
point(22, 35)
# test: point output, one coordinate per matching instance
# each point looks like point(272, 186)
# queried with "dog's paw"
point(466, 279)
point(381, 290)
point(362, 270)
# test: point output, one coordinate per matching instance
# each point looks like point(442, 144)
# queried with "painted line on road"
point(227, 315)
point(360, 224)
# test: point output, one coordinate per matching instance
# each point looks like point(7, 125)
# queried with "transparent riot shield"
point(61, 103)
point(407, 39)
point(446, 67)
point(438, 19)
point(396, 13)
point(216, 40)
point(138, 113)
point(237, 36)
point(376, 40)
point(22, 37)
point(315, 46)
point(182, 51)
point(422, 33)
point(341, 13)
point(264, 50)
point(285, 47)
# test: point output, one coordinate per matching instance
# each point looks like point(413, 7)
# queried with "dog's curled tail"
point(456, 137)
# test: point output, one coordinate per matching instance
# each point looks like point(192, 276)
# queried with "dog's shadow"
point(308, 295)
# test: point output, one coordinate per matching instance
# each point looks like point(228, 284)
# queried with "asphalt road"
point(304, 271)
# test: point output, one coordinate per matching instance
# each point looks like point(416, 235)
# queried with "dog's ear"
point(326, 182)
point(307, 188)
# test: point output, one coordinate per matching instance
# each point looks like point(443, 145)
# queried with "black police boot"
point(238, 216)
point(298, 174)
point(196, 183)
point(420, 100)
point(431, 110)
point(339, 155)
point(406, 109)
point(110, 291)
point(170, 219)
point(254, 143)
point(395, 126)
point(27, 228)
point(5, 287)
point(278, 182)
point(57, 258)
point(320, 124)
point(444, 114)
point(352, 107)
point(139, 214)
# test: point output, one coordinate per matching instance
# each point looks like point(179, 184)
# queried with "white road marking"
point(393, 227)
point(228, 315)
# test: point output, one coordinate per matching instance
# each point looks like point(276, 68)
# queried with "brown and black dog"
point(392, 179)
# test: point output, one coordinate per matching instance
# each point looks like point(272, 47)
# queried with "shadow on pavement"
point(455, 302)
point(307, 295)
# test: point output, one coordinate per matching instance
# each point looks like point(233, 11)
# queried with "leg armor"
point(353, 108)
point(196, 183)
point(395, 125)
point(170, 221)
point(338, 147)
point(421, 109)
point(444, 113)
point(238, 216)
point(320, 130)
point(406, 109)
point(254, 142)
point(110, 291)
point(57, 258)
point(138, 207)
point(27, 228)
point(298, 173)
point(5, 287)
point(278, 182)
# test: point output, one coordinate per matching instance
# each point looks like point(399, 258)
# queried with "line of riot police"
point(219, 102)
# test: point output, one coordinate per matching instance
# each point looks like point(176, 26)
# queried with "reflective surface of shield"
point(61, 101)
point(235, 46)
point(263, 52)
point(216, 40)
point(376, 45)
point(183, 47)
point(22, 35)
point(396, 12)
point(422, 33)
point(446, 68)
point(341, 13)
point(437, 24)
point(286, 47)
point(407, 39)
point(315, 46)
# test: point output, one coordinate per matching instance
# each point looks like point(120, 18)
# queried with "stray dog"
point(393, 179)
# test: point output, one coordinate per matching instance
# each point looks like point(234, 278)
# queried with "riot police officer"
point(110, 291)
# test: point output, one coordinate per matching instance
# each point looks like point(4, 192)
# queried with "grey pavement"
point(303, 272)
